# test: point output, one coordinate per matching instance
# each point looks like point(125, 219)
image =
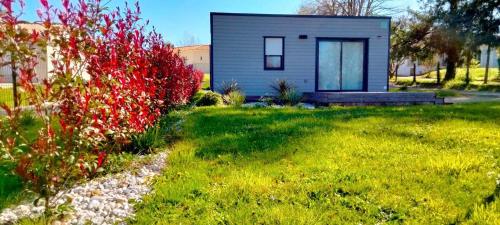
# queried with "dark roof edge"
point(299, 16)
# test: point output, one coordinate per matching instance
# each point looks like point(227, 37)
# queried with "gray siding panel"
point(238, 49)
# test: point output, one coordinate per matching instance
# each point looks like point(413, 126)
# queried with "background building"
point(196, 55)
point(493, 57)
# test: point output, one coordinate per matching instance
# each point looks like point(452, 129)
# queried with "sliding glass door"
point(341, 65)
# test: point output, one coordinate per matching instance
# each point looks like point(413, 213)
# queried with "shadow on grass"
point(11, 186)
point(245, 131)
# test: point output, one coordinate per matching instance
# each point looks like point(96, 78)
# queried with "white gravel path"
point(106, 200)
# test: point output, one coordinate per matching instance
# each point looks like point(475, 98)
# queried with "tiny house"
point(315, 53)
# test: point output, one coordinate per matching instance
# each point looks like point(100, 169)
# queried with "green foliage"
point(206, 82)
point(429, 80)
point(7, 97)
point(119, 162)
point(145, 142)
point(267, 100)
point(446, 93)
point(228, 87)
point(282, 86)
point(234, 98)
point(196, 97)
point(167, 131)
point(11, 186)
point(231, 93)
point(28, 118)
point(209, 99)
point(291, 97)
point(164, 132)
point(474, 63)
point(286, 92)
point(370, 165)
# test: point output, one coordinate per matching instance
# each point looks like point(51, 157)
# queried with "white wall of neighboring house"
point(41, 69)
point(196, 55)
point(493, 57)
point(406, 68)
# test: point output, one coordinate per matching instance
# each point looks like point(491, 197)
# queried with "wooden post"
point(438, 73)
point(14, 81)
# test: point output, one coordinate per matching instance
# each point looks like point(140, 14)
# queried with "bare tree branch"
point(346, 7)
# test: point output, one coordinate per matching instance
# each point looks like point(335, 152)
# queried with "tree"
point(189, 39)
point(412, 37)
point(498, 62)
point(470, 45)
point(345, 7)
point(469, 35)
point(485, 23)
point(399, 32)
point(461, 26)
point(15, 44)
point(446, 20)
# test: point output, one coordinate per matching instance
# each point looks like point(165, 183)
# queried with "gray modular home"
point(316, 53)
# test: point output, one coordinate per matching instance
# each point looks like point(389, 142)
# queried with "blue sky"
point(178, 20)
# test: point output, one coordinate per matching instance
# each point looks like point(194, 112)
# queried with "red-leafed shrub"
point(110, 81)
point(179, 82)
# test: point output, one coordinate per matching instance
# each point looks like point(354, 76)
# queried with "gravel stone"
point(101, 201)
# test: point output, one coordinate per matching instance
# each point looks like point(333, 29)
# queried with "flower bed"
point(111, 82)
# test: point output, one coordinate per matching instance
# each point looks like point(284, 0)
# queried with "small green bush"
point(209, 98)
point(286, 93)
point(267, 100)
point(144, 143)
point(291, 97)
point(234, 98)
point(119, 162)
point(196, 97)
point(228, 87)
point(28, 118)
point(281, 86)
point(164, 132)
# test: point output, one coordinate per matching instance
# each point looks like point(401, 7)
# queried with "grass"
point(11, 187)
point(442, 93)
point(357, 165)
point(206, 82)
point(476, 75)
point(7, 97)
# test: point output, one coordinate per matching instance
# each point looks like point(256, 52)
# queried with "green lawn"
point(476, 76)
point(11, 187)
point(6, 96)
point(355, 165)
point(206, 82)
point(442, 93)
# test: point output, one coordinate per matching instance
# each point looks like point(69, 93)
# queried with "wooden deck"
point(373, 98)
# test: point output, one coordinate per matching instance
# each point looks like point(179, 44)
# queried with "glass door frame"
point(365, 62)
